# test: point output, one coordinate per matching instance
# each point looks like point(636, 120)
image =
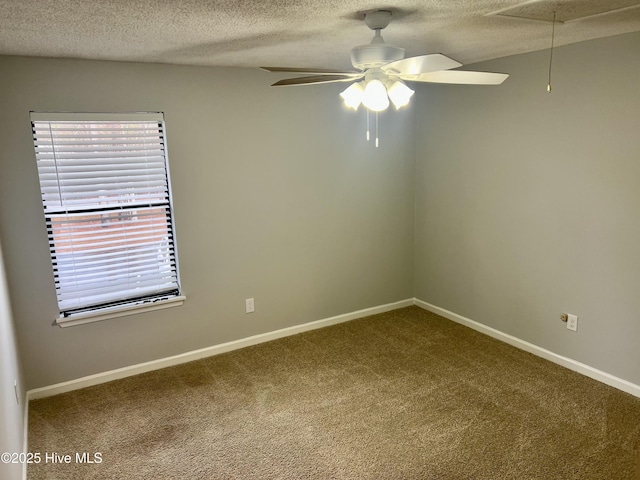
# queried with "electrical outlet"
point(15, 390)
point(572, 322)
point(249, 305)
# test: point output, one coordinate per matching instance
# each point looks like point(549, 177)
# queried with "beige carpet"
point(401, 395)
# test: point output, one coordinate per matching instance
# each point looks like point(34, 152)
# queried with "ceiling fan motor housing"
point(371, 59)
point(375, 55)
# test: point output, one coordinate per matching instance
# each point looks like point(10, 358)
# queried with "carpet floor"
point(400, 395)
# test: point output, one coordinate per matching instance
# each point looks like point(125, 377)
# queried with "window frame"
point(126, 304)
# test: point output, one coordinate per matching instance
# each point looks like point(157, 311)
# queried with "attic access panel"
point(566, 11)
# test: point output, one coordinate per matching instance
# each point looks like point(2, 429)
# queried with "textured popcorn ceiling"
point(545, 10)
point(305, 33)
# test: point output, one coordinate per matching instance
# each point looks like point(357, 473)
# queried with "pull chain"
point(553, 34)
point(367, 112)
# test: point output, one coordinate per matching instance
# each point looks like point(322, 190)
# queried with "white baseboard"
point(574, 365)
point(207, 352)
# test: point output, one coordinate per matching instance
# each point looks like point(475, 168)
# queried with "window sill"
point(115, 312)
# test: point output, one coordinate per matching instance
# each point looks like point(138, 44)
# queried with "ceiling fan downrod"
point(377, 52)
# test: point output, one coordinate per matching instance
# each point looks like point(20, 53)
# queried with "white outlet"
point(249, 305)
point(572, 322)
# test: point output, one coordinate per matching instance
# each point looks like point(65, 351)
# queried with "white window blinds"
point(106, 195)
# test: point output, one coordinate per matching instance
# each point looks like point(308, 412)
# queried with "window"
point(104, 180)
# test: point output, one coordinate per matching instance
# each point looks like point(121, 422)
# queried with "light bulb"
point(375, 96)
point(400, 94)
point(352, 96)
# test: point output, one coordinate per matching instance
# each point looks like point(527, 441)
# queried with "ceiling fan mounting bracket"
point(378, 19)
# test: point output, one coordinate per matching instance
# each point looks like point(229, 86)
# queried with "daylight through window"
point(107, 204)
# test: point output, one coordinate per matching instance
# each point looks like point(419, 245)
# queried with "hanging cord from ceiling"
point(553, 36)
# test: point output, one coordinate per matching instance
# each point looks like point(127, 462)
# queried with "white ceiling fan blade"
point(462, 77)
point(316, 79)
point(420, 64)
point(311, 71)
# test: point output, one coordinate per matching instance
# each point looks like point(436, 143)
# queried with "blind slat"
point(139, 270)
point(123, 184)
point(111, 295)
point(112, 260)
point(97, 289)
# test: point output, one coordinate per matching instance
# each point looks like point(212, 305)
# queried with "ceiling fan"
point(382, 71)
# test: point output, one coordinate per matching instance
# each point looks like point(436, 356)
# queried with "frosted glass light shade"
point(400, 94)
point(375, 96)
point(352, 96)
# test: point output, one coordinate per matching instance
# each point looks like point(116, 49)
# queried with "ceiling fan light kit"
point(376, 95)
point(382, 70)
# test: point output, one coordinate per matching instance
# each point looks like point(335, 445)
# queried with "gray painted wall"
point(277, 196)
point(11, 416)
point(528, 203)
